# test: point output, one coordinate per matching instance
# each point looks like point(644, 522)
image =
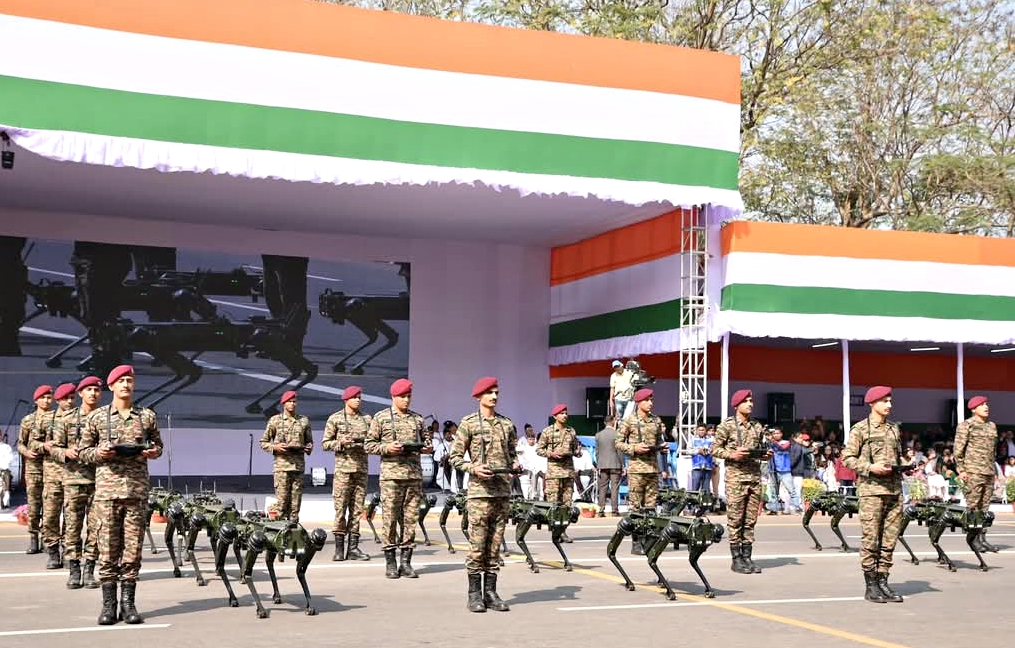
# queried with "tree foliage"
point(860, 113)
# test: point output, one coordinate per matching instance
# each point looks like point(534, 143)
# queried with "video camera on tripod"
point(639, 377)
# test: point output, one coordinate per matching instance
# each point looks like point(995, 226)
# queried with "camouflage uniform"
point(975, 444)
point(880, 495)
point(350, 481)
point(121, 488)
point(491, 441)
point(33, 470)
point(292, 432)
point(559, 472)
point(79, 487)
point(743, 478)
point(401, 475)
point(52, 479)
point(642, 469)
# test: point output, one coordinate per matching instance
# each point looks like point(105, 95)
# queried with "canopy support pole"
point(960, 383)
point(845, 390)
point(724, 378)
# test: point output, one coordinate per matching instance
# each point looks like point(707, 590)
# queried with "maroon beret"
point(352, 391)
point(483, 385)
point(642, 394)
point(286, 397)
point(557, 409)
point(876, 393)
point(41, 391)
point(117, 373)
point(739, 396)
point(976, 401)
point(89, 382)
point(63, 391)
point(401, 387)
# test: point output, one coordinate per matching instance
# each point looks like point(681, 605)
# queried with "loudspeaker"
point(596, 402)
point(781, 408)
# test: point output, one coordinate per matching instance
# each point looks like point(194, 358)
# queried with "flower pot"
point(23, 519)
point(158, 518)
point(588, 513)
point(272, 515)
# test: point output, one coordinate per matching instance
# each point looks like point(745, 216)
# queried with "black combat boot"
point(491, 599)
point(33, 544)
point(108, 614)
point(54, 561)
point(890, 594)
point(636, 548)
point(739, 565)
point(89, 575)
point(390, 565)
point(745, 551)
point(74, 580)
point(476, 603)
point(984, 545)
point(406, 568)
point(354, 552)
point(127, 611)
point(339, 548)
point(873, 593)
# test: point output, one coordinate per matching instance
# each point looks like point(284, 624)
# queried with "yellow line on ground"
point(740, 609)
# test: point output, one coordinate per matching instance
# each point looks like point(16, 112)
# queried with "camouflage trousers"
point(978, 491)
point(119, 533)
point(487, 518)
point(743, 499)
point(52, 508)
point(880, 519)
point(642, 490)
point(289, 493)
point(400, 509)
point(349, 491)
point(78, 507)
point(33, 488)
point(559, 490)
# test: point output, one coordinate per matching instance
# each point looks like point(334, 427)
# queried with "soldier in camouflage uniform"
point(640, 436)
point(289, 439)
point(975, 443)
point(559, 444)
point(78, 485)
point(490, 441)
point(119, 440)
point(734, 438)
point(344, 434)
point(53, 475)
point(873, 450)
point(401, 475)
point(31, 426)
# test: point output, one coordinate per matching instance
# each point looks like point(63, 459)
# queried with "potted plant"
point(21, 514)
point(811, 488)
point(273, 511)
point(587, 510)
point(1009, 491)
point(917, 490)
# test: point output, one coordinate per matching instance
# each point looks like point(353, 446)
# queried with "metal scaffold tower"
point(693, 317)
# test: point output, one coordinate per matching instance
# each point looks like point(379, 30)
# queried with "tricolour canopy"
point(313, 92)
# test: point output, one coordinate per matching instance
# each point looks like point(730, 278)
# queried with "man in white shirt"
point(528, 460)
point(6, 459)
point(583, 469)
point(621, 391)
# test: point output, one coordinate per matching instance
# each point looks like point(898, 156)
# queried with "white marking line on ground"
point(146, 626)
point(333, 391)
point(590, 608)
point(992, 535)
point(208, 566)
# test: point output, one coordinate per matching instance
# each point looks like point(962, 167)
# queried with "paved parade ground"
point(803, 598)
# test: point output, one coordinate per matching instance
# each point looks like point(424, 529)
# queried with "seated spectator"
point(937, 485)
point(1009, 468)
